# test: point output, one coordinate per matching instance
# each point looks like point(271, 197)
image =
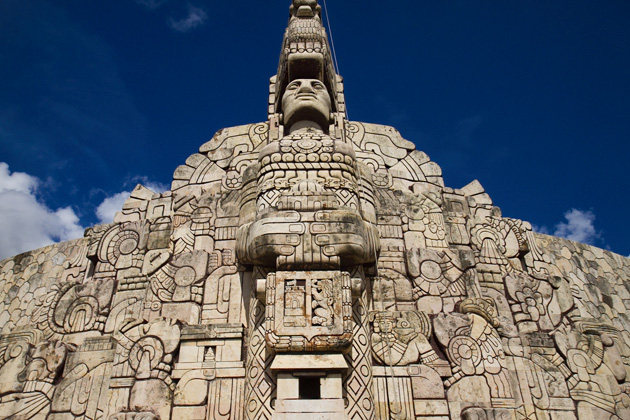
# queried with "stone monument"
point(311, 267)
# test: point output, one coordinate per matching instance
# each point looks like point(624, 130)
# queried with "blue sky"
point(532, 98)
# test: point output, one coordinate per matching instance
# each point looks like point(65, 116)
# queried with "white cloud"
point(151, 4)
point(578, 227)
point(108, 208)
point(541, 229)
point(195, 18)
point(157, 187)
point(25, 222)
point(113, 204)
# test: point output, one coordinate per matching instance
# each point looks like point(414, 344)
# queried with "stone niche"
point(309, 385)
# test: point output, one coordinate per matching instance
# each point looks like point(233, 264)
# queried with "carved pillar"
point(358, 384)
point(259, 385)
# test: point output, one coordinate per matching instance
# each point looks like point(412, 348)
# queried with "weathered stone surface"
point(317, 268)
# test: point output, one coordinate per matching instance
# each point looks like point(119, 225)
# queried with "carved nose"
point(306, 88)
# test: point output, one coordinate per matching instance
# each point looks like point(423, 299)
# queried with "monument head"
point(305, 8)
point(306, 103)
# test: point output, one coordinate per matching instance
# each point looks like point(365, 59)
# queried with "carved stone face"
point(384, 323)
point(306, 100)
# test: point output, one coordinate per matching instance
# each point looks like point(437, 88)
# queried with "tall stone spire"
point(308, 232)
point(306, 54)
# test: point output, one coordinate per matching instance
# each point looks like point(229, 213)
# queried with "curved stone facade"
point(314, 267)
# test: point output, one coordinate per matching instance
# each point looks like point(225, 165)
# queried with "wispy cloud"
point(25, 222)
point(579, 226)
point(541, 229)
point(196, 17)
point(151, 4)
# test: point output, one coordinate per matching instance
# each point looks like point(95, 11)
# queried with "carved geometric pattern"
point(358, 383)
point(308, 311)
point(260, 385)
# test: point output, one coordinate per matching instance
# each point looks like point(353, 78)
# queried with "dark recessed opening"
point(91, 266)
point(310, 388)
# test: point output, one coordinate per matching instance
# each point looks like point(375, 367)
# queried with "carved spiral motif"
point(260, 129)
point(118, 242)
point(125, 243)
point(307, 146)
point(259, 133)
point(150, 347)
point(15, 350)
point(355, 132)
point(462, 349)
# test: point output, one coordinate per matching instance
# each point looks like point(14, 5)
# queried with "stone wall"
point(317, 268)
point(462, 314)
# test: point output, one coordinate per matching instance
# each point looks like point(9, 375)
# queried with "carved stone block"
point(309, 311)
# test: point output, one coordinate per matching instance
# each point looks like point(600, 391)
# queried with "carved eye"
point(293, 85)
point(319, 85)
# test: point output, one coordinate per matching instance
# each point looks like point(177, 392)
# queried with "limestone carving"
point(309, 311)
point(401, 338)
point(180, 280)
point(309, 266)
point(83, 388)
point(359, 382)
point(33, 395)
point(474, 347)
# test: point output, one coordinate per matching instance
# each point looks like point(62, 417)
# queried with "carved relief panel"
point(309, 311)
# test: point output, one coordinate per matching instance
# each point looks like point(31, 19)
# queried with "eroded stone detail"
point(313, 267)
point(402, 338)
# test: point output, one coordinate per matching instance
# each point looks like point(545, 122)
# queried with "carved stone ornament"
point(402, 338)
point(313, 267)
point(309, 311)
